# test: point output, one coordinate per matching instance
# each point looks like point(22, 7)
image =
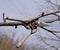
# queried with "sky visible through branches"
point(23, 9)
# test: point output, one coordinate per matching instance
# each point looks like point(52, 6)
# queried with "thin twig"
point(39, 16)
point(50, 32)
point(4, 17)
point(50, 21)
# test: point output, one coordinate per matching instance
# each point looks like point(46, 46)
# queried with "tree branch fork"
point(31, 24)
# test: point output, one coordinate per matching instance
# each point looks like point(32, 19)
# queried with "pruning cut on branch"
point(31, 24)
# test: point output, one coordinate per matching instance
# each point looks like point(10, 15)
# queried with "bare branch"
point(39, 16)
point(50, 32)
point(16, 20)
point(42, 24)
point(24, 39)
point(10, 23)
point(50, 21)
point(53, 13)
point(30, 24)
point(33, 20)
